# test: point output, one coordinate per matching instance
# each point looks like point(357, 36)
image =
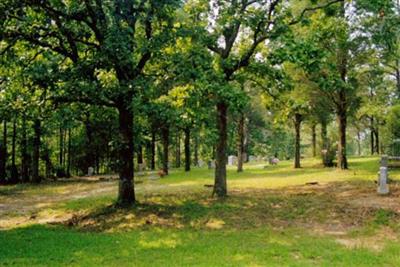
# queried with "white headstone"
point(252, 158)
point(232, 160)
point(201, 163)
point(90, 171)
point(383, 187)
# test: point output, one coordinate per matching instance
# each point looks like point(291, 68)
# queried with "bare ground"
point(334, 209)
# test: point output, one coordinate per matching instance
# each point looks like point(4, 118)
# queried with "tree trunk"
point(324, 144)
point(398, 77)
point(3, 155)
point(297, 126)
point(36, 151)
point(61, 148)
point(372, 129)
point(90, 150)
point(165, 143)
point(342, 158)
point(220, 186)
point(14, 171)
point(140, 155)
point(178, 150)
point(24, 153)
point(240, 143)
point(376, 132)
point(196, 150)
point(126, 192)
point(69, 154)
point(314, 140)
point(341, 108)
point(153, 150)
point(187, 149)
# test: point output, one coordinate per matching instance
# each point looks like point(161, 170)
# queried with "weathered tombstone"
point(252, 158)
point(232, 160)
point(383, 187)
point(90, 171)
point(200, 163)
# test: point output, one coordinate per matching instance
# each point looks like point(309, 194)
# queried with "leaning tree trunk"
point(126, 192)
point(24, 152)
point(165, 143)
point(297, 126)
point(314, 140)
point(220, 186)
point(36, 151)
point(240, 143)
point(187, 149)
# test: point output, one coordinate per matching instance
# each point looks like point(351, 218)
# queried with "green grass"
point(56, 246)
point(271, 218)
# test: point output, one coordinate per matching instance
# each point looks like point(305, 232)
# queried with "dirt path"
point(40, 204)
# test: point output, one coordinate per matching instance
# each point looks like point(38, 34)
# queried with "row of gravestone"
point(232, 160)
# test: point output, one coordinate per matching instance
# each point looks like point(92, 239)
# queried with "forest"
point(186, 115)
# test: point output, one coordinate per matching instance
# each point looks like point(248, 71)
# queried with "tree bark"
point(24, 152)
point(178, 150)
point(240, 143)
point(376, 133)
point(187, 149)
point(126, 192)
point(196, 150)
point(165, 143)
point(69, 154)
point(297, 126)
point(61, 148)
point(220, 186)
point(341, 107)
point(36, 151)
point(324, 144)
point(140, 155)
point(14, 171)
point(342, 158)
point(153, 150)
point(372, 136)
point(3, 155)
point(314, 140)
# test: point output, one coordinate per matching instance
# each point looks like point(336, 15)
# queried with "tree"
point(96, 40)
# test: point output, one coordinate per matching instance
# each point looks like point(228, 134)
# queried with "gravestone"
point(201, 163)
point(383, 187)
point(90, 171)
point(232, 160)
point(252, 158)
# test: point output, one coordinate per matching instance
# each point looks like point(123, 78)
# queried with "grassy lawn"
point(271, 218)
